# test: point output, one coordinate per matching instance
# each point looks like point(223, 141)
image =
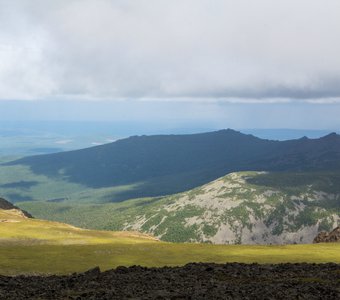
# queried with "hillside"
point(16, 227)
point(244, 207)
point(32, 246)
point(143, 166)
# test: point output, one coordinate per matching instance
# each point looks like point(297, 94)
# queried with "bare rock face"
point(6, 205)
point(328, 237)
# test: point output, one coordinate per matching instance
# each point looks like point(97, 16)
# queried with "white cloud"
point(324, 101)
point(63, 142)
point(230, 50)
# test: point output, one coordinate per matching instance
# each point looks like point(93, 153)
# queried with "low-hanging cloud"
point(160, 49)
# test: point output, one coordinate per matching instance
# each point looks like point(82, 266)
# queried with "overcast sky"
point(228, 62)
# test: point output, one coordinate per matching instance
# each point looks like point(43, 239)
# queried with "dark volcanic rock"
point(328, 237)
point(193, 281)
point(4, 204)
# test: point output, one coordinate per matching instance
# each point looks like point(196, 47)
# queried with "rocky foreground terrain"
point(193, 281)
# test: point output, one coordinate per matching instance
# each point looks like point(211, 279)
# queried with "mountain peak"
point(331, 136)
point(229, 130)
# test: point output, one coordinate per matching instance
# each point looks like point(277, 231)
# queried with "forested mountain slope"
point(243, 207)
point(167, 164)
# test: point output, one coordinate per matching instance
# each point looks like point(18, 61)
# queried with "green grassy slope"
point(57, 259)
point(30, 246)
point(18, 229)
point(244, 207)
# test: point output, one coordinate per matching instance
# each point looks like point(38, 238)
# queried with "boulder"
point(328, 237)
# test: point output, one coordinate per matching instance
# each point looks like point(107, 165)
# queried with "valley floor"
point(192, 281)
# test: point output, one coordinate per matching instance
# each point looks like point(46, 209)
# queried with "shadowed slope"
point(166, 164)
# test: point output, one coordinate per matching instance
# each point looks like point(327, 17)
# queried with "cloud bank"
point(196, 50)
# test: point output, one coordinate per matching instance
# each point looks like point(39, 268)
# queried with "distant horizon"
point(173, 114)
point(42, 137)
point(140, 127)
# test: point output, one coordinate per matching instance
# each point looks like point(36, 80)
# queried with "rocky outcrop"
point(328, 237)
point(237, 209)
point(5, 205)
point(193, 281)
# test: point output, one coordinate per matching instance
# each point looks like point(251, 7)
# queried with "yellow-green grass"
point(63, 259)
point(29, 246)
point(17, 229)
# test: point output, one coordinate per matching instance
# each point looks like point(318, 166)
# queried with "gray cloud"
point(157, 49)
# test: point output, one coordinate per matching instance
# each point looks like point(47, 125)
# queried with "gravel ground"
point(193, 281)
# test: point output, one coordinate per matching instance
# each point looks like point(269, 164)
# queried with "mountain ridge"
point(166, 164)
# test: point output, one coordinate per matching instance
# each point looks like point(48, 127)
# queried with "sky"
point(217, 63)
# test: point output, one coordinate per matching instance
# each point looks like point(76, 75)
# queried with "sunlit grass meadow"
point(29, 246)
point(63, 259)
